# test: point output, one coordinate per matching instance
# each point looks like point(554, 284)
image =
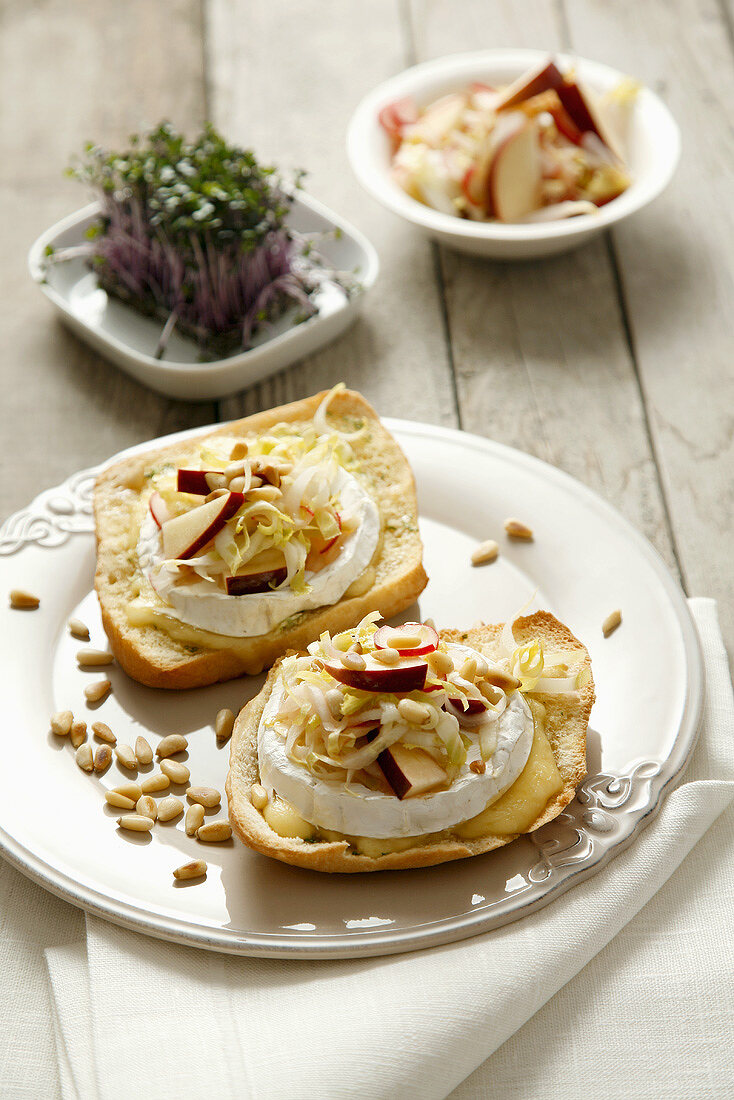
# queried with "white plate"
point(653, 151)
point(129, 339)
point(585, 561)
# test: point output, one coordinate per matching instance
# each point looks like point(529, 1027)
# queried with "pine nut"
point(501, 679)
point(440, 663)
point(223, 725)
point(22, 600)
point(490, 692)
point(239, 450)
point(143, 751)
point(84, 757)
point(102, 758)
point(97, 691)
point(611, 623)
point(129, 790)
point(103, 732)
point(205, 796)
point(61, 723)
point(195, 869)
point(120, 801)
point(176, 772)
point(77, 629)
point(354, 661)
point(194, 818)
point(146, 807)
point(214, 831)
point(518, 530)
point(78, 734)
point(237, 485)
point(215, 480)
point(155, 783)
point(486, 552)
point(235, 469)
point(94, 658)
point(415, 713)
point(268, 493)
point(258, 796)
point(126, 756)
point(478, 767)
point(169, 808)
point(136, 823)
point(386, 656)
point(469, 669)
point(405, 641)
point(172, 744)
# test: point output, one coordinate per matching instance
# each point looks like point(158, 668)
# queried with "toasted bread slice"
point(156, 649)
point(565, 724)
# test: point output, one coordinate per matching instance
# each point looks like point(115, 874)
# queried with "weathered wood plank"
point(677, 263)
point(541, 358)
point(70, 72)
point(285, 78)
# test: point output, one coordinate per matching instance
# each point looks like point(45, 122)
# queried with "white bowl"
point(652, 153)
point(129, 339)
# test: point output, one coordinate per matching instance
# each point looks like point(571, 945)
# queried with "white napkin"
point(136, 1016)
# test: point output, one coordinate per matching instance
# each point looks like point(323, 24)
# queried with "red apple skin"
point(474, 706)
point(566, 125)
point(582, 112)
point(246, 583)
point(159, 509)
point(193, 481)
point(545, 78)
point(376, 677)
point(230, 505)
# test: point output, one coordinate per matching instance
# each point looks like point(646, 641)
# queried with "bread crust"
point(155, 658)
point(566, 724)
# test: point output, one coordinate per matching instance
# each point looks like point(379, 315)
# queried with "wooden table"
point(613, 362)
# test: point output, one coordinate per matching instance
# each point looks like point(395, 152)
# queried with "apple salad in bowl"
point(542, 148)
point(219, 553)
point(393, 747)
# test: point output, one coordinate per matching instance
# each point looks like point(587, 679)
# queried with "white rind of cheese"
point(259, 612)
point(362, 812)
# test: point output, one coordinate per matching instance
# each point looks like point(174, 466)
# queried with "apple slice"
point(409, 675)
point(583, 108)
point(410, 639)
point(194, 481)
point(159, 509)
point(185, 535)
point(474, 706)
point(261, 574)
point(565, 124)
point(410, 772)
point(543, 78)
point(515, 174)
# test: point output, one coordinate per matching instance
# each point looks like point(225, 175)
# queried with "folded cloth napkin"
point(136, 1016)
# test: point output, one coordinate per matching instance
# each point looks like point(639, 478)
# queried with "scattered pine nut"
point(23, 601)
point(77, 629)
point(97, 691)
point(176, 772)
point(486, 552)
point(440, 662)
point(239, 450)
point(61, 723)
point(491, 692)
point(501, 679)
point(129, 790)
point(126, 756)
point(102, 759)
point(194, 818)
point(195, 869)
point(78, 734)
point(172, 744)
point(205, 796)
point(355, 661)
point(84, 757)
point(169, 808)
point(518, 530)
point(414, 712)
point(214, 831)
point(103, 732)
point(155, 783)
point(146, 807)
point(143, 751)
point(478, 767)
point(119, 801)
point(93, 658)
point(387, 656)
point(258, 796)
point(610, 624)
point(136, 823)
point(469, 669)
point(223, 725)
